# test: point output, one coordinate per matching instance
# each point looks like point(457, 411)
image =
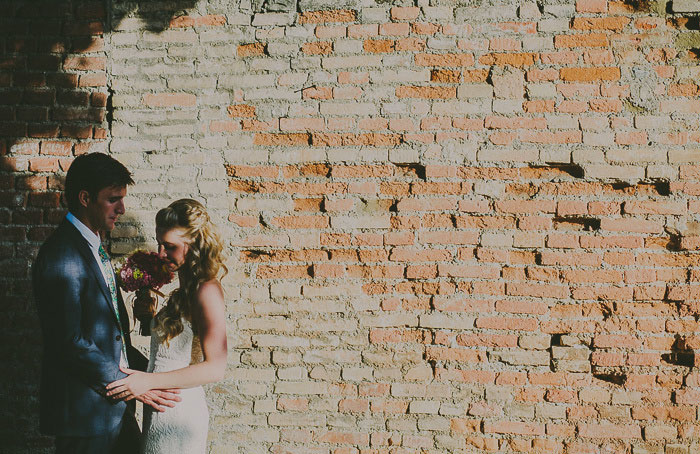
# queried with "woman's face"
point(172, 247)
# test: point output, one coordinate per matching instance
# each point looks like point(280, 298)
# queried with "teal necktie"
point(111, 283)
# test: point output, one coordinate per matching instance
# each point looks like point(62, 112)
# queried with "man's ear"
point(84, 198)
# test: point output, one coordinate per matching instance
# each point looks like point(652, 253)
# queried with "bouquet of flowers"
point(143, 272)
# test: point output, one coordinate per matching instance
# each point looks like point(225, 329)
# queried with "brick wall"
point(454, 227)
point(53, 100)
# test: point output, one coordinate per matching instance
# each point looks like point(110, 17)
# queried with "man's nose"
point(121, 209)
point(161, 251)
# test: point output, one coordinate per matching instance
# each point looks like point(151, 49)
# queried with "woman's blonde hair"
point(204, 261)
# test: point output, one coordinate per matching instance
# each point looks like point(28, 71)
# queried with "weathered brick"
point(322, 17)
point(170, 100)
point(448, 60)
point(589, 74)
point(614, 431)
point(412, 229)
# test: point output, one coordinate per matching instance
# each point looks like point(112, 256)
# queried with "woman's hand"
point(130, 387)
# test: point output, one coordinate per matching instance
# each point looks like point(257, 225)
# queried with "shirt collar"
point(92, 239)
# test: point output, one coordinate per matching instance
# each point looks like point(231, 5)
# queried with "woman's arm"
point(210, 316)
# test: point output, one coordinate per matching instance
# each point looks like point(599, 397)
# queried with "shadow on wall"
point(54, 104)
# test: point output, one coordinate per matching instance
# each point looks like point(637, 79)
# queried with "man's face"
point(102, 212)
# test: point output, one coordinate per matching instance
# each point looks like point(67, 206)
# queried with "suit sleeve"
point(60, 286)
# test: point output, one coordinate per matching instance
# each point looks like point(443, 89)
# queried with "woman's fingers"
point(114, 384)
point(114, 392)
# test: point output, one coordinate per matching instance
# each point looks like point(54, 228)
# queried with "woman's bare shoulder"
point(210, 291)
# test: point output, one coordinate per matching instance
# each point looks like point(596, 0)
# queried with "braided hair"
point(204, 261)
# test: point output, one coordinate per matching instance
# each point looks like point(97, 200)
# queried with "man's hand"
point(158, 399)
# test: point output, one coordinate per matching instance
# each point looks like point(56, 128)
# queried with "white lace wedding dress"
point(183, 428)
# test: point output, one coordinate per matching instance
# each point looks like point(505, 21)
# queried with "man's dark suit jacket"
point(82, 342)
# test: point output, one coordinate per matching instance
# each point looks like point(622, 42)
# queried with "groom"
point(84, 322)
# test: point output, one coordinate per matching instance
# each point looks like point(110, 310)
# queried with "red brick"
point(282, 139)
point(539, 106)
point(591, 6)
point(317, 93)
point(561, 396)
point(445, 76)
point(283, 271)
point(589, 74)
point(378, 46)
point(538, 75)
point(407, 91)
point(487, 340)
point(537, 290)
point(382, 335)
point(284, 403)
point(43, 164)
point(394, 29)
point(56, 148)
point(251, 50)
point(521, 307)
point(389, 406)
point(631, 138)
point(526, 206)
point(199, 21)
point(317, 48)
point(85, 63)
point(505, 323)
point(460, 355)
point(410, 44)
point(346, 77)
point(616, 23)
point(92, 80)
point(301, 222)
point(423, 28)
point(323, 17)
point(509, 59)
point(616, 341)
point(607, 359)
point(605, 105)
point(631, 225)
point(353, 405)
point(369, 139)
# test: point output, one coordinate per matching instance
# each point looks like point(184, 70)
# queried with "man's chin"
point(111, 222)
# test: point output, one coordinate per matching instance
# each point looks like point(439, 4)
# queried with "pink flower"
point(143, 269)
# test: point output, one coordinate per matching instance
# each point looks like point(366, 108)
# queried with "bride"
point(190, 245)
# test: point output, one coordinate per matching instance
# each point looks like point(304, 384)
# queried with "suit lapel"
point(81, 244)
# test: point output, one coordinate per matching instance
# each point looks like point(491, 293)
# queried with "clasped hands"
point(138, 385)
